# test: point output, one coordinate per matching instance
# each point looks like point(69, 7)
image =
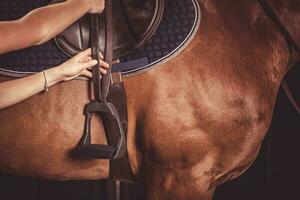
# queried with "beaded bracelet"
point(46, 87)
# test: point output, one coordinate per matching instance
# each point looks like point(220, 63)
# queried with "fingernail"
point(95, 62)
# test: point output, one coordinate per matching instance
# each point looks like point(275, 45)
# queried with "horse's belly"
point(38, 136)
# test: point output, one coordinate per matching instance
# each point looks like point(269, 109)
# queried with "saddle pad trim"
point(176, 51)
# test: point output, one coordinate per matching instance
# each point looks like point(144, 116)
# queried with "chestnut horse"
point(195, 121)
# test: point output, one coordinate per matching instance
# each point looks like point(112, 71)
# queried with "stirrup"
point(116, 147)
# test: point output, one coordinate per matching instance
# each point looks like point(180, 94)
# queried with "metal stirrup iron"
point(116, 147)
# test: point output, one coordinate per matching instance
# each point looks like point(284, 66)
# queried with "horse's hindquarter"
point(202, 116)
point(39, 134)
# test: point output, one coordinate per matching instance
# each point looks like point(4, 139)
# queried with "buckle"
point(116, 147)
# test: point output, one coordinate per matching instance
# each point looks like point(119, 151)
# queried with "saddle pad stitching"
point(15, 74)
point(143, 69)
point(6, 72)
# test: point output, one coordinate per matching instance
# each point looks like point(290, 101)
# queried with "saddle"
point(180, 21)
point(124, 26)
point(134, 22)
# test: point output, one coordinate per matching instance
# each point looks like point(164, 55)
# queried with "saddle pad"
point(179, 24)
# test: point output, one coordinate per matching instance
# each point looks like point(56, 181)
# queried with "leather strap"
point(101, 84)
point(112, 123)
point(109, 45)
point(120, 168)
point(290, 95)
point(94, 27)
point(287, 36)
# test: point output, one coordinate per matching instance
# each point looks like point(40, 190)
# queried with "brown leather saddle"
point(122, 27)
point(134, 22)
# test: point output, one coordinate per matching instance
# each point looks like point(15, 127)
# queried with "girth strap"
point(112, 123)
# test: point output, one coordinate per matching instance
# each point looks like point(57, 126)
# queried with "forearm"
point(53, 19)
point(40, 25)
point(17, 90)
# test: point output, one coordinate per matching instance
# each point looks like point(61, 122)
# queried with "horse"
point(194, 121)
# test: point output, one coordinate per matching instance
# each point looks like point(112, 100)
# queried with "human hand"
point(97, 6)
point(80, 64)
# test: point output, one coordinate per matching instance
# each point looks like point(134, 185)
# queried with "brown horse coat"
point(194, 122)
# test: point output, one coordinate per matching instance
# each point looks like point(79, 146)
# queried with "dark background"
point(273, 176)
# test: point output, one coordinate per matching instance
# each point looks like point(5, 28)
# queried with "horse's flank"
point(194, 122)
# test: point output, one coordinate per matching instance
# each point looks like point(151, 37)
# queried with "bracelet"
point(46, 87)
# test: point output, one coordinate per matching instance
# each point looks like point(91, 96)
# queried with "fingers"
point(87, 53)
point(116, 61)
point(89, 74)
point(103, 71)
point(87, 59)
point(100, 55)
point(84, 54)
point(97, 6)
point(86, 73)
point(87, 62)
point(103, 64)
point(91, 63)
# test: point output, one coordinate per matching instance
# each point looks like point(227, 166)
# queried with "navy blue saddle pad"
point(179, 24)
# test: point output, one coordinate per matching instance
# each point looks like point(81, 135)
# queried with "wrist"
point(86, 5)
point(53, 76)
